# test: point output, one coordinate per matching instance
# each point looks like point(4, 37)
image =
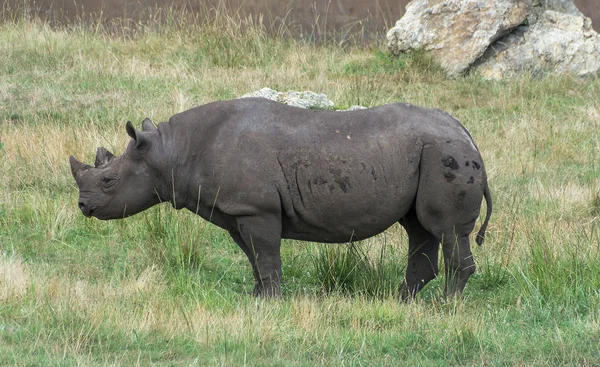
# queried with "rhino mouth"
point(88, 211)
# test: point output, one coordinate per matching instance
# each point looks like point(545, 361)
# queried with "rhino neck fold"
point(178, 168)
point(191, 144)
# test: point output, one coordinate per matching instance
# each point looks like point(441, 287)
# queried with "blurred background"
point(312, 19)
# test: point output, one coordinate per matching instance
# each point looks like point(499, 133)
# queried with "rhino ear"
point(141, 140)
point(148, 125)
point(77, 168)
point(103, 156)
point(131, 131)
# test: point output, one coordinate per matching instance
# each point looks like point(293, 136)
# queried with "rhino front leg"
point(260, 239)
point(237, 238)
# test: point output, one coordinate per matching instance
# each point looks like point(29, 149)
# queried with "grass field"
point(166, 288)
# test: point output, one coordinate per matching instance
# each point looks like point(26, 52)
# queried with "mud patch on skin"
point(319, 180)
point(450, 162)
point(373, 174)
point(449, 176)
point(476, 165)
point(471, 180)
point(342, 181)
point(467, 164)
point(462, 194)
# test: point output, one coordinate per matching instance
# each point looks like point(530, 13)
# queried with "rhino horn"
point(77, 168)
point(103, 156)
point(148, 125)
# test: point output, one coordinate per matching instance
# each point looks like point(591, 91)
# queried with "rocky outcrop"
point(456, 32)
point(305, 99)
point(557, 43)
point(500, 38)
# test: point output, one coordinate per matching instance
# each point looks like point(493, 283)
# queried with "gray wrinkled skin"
point(265, 171)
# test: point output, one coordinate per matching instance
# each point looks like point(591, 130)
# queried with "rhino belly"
point(338, 199)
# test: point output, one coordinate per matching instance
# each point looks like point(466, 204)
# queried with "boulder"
point(456, 32)
point(306, 99)
point(557, 43)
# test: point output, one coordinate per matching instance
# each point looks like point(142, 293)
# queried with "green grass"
point(166, 288)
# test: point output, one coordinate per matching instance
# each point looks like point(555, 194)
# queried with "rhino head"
point(118, 187)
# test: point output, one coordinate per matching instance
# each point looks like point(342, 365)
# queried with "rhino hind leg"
point(448, 203)
point(444, 223)
point(260, 239)
point(458, 262)
point(422, 256)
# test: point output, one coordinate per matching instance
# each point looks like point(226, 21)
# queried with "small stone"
point(267, 93)
point(306, 99)
point(355, 108)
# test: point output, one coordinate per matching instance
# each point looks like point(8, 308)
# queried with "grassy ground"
point(166, 288)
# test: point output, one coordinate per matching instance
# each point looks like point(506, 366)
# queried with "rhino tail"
point(488, 200)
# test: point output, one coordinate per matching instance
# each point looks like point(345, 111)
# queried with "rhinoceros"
point(264, 171)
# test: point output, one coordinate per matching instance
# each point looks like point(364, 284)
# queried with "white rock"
point(267, 93)
point(306, 99)
point(557, 43)
point(456, 32)
point(355, 108)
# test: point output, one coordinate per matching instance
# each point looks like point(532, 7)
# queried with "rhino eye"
point(108, 181)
